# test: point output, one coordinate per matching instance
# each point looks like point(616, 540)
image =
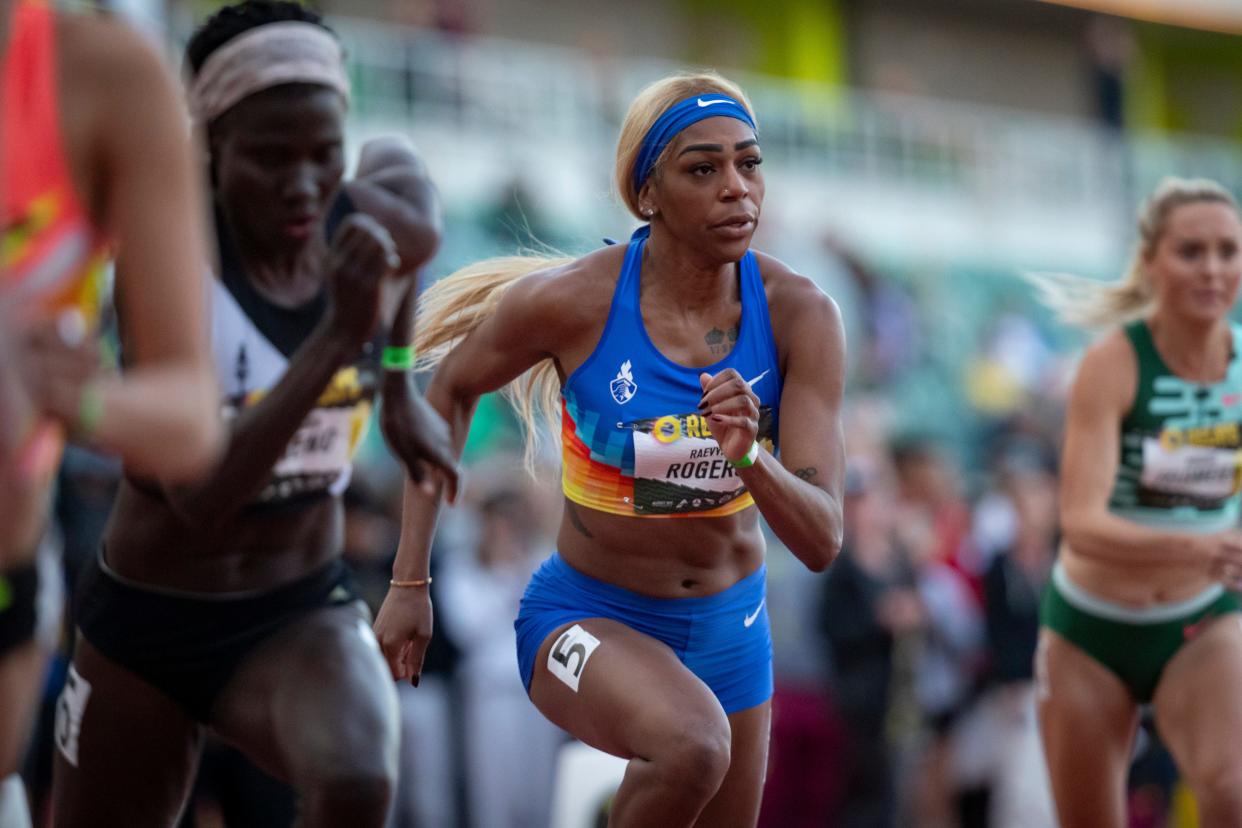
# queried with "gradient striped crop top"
point(52, 257)
point(633, 442)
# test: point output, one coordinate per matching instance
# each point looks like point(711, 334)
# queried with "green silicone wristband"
point(747, 460)
point(398, 358)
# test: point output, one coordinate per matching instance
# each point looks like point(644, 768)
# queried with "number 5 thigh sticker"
point(569, 655)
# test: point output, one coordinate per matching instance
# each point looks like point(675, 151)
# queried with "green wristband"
point(747, 460)
point(398, 358)
point(90, 412)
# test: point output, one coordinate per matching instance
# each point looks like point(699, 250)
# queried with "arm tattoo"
point(806, 473)
point(572, 512)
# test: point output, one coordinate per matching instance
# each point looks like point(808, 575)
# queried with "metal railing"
point(1017, 163)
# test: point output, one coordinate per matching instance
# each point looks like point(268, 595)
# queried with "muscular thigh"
point(125, 752)
point(1198, 703)
point(314, 699)
point(1087, 725)
point(626, 694)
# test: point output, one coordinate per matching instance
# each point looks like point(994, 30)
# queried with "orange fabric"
point(52, 257)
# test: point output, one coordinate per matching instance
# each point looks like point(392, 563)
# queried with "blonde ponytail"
point(457, 304)
point(1087, 303)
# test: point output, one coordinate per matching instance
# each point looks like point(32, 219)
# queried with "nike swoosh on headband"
point(702, 102)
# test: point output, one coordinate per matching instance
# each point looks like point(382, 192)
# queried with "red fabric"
point(45, 229)
point(32, 158)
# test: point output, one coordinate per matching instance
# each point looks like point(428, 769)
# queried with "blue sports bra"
point(633, 442)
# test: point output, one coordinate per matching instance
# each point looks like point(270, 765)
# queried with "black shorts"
point(19, 598)
point(189, 644)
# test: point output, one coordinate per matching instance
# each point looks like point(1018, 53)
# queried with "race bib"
point(1203, 472)
point(679, 467)
point(324, 443)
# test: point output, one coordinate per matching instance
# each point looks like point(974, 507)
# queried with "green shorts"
point(1135, 644)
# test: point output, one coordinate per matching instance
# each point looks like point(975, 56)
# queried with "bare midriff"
point(664, 558)
point(1135, 586)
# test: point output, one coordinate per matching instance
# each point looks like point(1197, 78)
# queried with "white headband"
point(291, 51)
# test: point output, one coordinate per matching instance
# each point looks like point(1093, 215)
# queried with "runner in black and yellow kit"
point(1139, 609)
point(226, 604)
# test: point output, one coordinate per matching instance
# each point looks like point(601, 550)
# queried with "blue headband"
point(676, 118)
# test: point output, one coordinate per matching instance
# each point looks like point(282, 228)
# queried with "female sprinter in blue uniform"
point(680, 360)
point(225, 604)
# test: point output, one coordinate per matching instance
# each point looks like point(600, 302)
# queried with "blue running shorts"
point(724, 639)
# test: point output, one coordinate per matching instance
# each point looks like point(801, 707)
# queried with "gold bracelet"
point(415, 583)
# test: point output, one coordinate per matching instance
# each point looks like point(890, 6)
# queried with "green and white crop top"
point(1181, 444)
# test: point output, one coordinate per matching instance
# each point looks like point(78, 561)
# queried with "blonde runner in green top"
point(1139, 608)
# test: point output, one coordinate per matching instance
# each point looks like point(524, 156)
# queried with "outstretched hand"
point(403, 629)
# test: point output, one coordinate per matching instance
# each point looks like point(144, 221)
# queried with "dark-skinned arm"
point(415, 433)
point(800, 494)
point(392, 186)
point(361, 255)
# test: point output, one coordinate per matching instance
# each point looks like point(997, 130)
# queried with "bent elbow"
point(820, 556)
point(419, 239)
